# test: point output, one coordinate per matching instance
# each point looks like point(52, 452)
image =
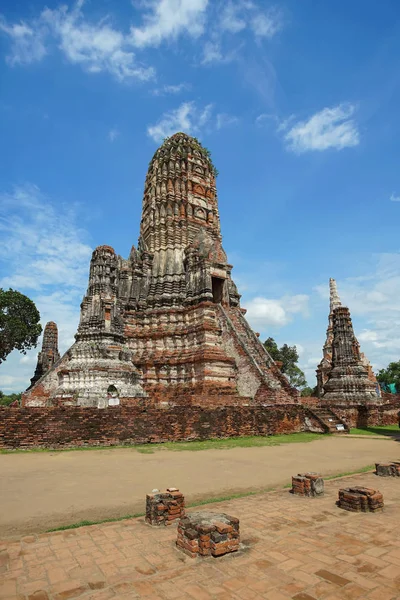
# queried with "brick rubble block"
point(208, 534)
point(360, 499)
point(307, 484)
point(388, 469)
point(163, 508)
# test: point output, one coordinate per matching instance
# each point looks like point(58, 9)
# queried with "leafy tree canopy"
point(19, 323)
point(6, 400)
point(390, 375)
point(288, 356)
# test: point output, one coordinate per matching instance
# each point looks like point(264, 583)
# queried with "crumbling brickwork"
point(169, 315)
point(308, 484)
point(65, 427)
point(49, 354)
point(208, 534)
point(360, 499)
point(163, 508)
point(388, 469)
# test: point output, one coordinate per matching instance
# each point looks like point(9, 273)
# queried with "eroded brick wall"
point(368, 415)
point(60, 427)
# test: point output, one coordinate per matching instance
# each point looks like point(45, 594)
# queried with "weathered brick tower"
point(344, 374)
point(49, 353)
point(172, 306)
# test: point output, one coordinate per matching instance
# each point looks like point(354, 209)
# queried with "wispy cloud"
point(329, 128)
point(187, 117)
point(394, 198)
point(225, 120)
point(191, 119)
point(113, 134)
point(168, 19)
point(45, 255)
point(96, 46)
point(171, 89)
point(27, 41)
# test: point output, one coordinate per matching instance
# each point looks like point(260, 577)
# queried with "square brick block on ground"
point(307, 484)
point(163, 508)
point(360, 499)
point(391, 469)
point(208, 534)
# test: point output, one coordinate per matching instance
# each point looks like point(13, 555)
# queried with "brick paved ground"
point(293, 548)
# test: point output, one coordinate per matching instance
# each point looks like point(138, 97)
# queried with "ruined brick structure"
point(167, 321)
point(49, 353)
point(163, 508)
point(344, 374)
point(360, 499)
point(208, 534)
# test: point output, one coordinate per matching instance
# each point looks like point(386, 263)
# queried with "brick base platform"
point(208, 534)
point(360, 499)
point(308, 484)
point(163, 508)
point(388, 469)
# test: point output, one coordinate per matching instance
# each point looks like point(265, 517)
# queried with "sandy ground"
point(43, 491)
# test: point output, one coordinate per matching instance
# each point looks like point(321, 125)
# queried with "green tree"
point(390, 375)
point(19, 323)
point(6, 400)
point(288, 356)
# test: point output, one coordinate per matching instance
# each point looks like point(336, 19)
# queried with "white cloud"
point(113, 134)
point(266, 25)
point(212, 52)
point(187, 117)
point(168, 19)
point(96, 47)
point(329, 128)
point(45, 256)
point(264, 312)
point(394, 198)
point(27, 43)
point(231, 19)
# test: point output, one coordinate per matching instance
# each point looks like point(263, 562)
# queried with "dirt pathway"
point(42, 491)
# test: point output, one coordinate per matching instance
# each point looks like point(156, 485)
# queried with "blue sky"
point(298, 103)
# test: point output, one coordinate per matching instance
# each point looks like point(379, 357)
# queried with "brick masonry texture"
point(299, 551)
point(163, 508)
point(388, 469)
point(66, 427)
point(208, 534)
point(77, 426)
point(308, 484)
point(360, 499)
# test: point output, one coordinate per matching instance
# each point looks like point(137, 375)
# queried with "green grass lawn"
point(388, 430)
point(214, 444)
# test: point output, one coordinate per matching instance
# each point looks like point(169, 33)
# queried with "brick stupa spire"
point(172, 305)
point(49, 353)
point(344, 374)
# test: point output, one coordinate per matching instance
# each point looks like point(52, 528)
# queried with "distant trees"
point(19, 323)
point(6, 400)
point(390, 376)
point(289, 357)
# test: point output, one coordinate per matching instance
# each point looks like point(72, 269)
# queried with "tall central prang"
point(171, 310)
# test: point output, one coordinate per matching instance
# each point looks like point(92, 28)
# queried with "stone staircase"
point(329, 420)
point(253, 347)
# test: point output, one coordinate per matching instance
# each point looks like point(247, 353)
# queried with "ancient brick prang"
point(163, 508)
point(308, 484)
point(344, 374)
point(208, 534)
point(169, 316)
point(360, 499)
point(348, 380)
point(49, 353)
point(388, 469)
